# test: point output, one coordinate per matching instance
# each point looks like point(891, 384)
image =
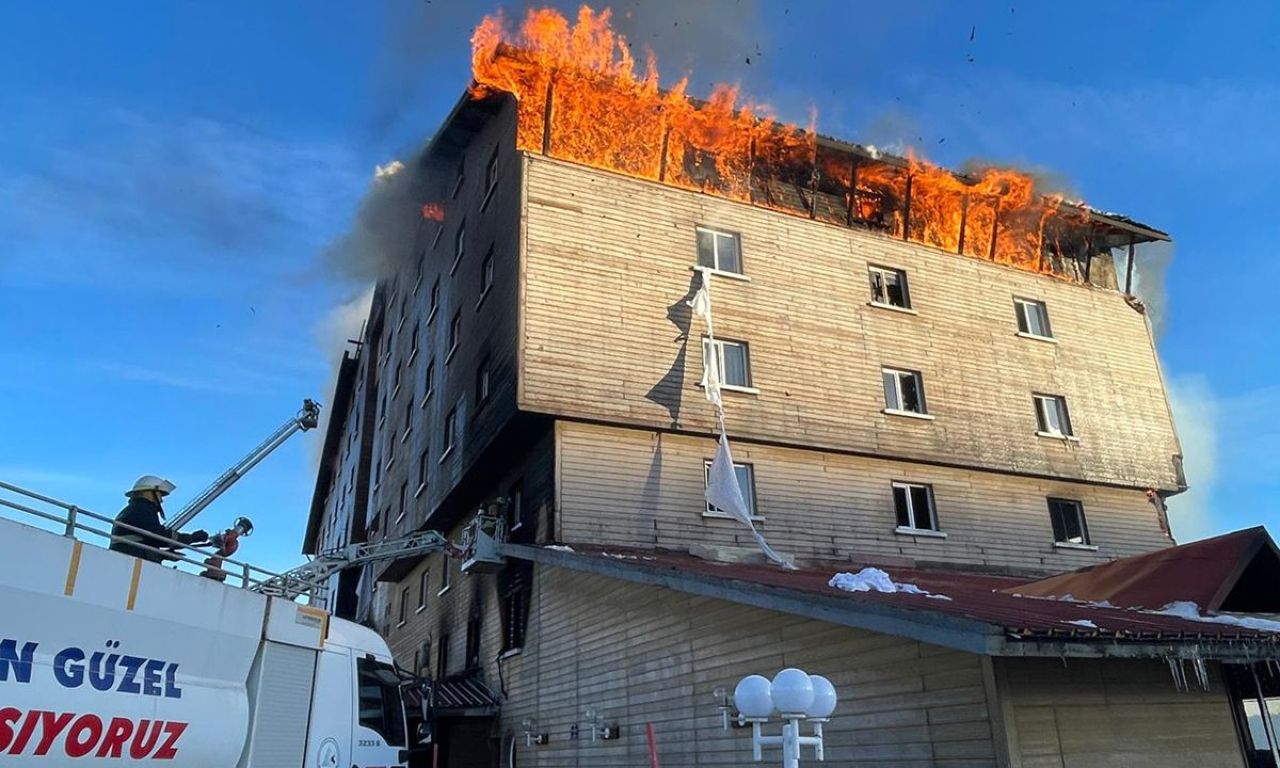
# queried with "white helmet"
point(151, 483)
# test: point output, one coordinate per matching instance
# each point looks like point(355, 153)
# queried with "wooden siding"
point(632, 487)
point(1112, 714)
point(607, 266)
point(642, 655)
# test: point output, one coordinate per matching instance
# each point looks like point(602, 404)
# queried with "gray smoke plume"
point(385, 227)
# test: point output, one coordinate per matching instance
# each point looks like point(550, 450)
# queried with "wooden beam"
point(1128, 270)
point(906, 210)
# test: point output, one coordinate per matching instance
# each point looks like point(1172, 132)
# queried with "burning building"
point(940, 376)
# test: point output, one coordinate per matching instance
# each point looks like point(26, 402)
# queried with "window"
point(395, 383)
point(408, 420)
point(746, 481)
point(404, 501)
point(731, 360)
point(889, 287)
point(404, 606)
point(455, 334)
point(446, 574)
point(390, 451)
point(1033, 318)
point(515, 584)
point(377, 474)
point(459, 246)
point(483, 376)
point(474, 624)
point(1052, 419)
point(903, 391)
point(442, 657)
point(490, 178)
point(404, 309)
point(425, 655)
point(450, 421)
point(422, 472)
point(435, 301)
point(1069, 526)
point(430, 385)
point(719, 250)
point(914, 506)
point(381, 708)
point(413, 344)
point(462, 175)
point(515, 506)
point(417, 283)
point(382, 408)
point(486, 275)
point(424, 583)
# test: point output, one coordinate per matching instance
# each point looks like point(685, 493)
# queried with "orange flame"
point(579, 97)
point(433, 211)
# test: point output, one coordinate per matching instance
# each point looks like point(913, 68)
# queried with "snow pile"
point(1185, 609)
point(876, 580)
point(1083, 623)
point(559, 547)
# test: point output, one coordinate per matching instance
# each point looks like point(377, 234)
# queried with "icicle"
point(1202, 672)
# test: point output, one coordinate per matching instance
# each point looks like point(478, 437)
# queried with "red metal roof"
point(990, 599)
point(1203, 572)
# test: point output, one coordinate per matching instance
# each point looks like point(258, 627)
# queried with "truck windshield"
point(381, 708)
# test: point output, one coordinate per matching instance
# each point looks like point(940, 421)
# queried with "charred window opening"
point(1067, 518)
point(903, 391)
point(515, 585)
point(913, 504)
point(889, 287)
point(474, 627)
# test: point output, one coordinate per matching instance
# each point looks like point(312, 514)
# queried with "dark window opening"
point(889, 287)
point(1069, 527)
point(474, 625)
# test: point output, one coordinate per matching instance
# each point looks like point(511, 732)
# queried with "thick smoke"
point(386, 224)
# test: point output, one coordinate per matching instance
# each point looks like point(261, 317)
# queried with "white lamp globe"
point(752, 697)
point(792, 691)
point(824, 698)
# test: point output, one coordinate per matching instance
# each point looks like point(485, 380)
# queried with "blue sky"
point(171, 175)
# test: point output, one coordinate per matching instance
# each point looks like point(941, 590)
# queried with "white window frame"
point(404, 607)
point(446, 575)
point(1058, 403)
point(935, 530)
point(424, 586)
point(404, 502)
point(1021, 310)
point(716, 234)
point(429, 385)
point(719, 345)
point(749, 492)
point(901, 274)
point(423, 458)
point(490, 178)
point(897, 374)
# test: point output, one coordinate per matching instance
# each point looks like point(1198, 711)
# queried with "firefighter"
point(144, 511)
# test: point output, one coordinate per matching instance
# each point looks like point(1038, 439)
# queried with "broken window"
point(889, 287)
point(746, 481)
point(1067, 517)
point(515, 583)
point(719, 250)
point(731, 360)
point(1033, 318)
point(914, 505)
point(903, 391)
point(1052, 418)
point(490, 178)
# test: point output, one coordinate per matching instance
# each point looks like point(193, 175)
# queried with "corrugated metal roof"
point(991, 599)
point(457, 695)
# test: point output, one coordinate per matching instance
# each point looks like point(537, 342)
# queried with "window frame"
point(455, 335)
point(906, 486)
point(423, 462)
point(424, 584)
point(486, 277)
point(1021, 305)
point(484, 382)
point(901, 274)
point(446, 575)
point(435, 301)
point(490, 178)
point(462, 176)
point(716, 233)
point(403, 616)
point(719, 346)
point(430, 384)
point(459, 246)
point(404, 502)
point(1061, 411)
point(447, 434)
point(1081, 520)
point(897, 374)
point(749, 491)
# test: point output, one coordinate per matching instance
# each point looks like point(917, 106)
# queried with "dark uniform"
point(147, 515)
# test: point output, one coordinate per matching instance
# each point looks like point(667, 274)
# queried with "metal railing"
point(70, 519)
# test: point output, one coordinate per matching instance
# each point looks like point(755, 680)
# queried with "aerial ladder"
point(306, 418)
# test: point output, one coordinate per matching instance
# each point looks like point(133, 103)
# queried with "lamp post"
point(794, 695)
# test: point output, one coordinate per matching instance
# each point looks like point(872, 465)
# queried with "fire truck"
point(200, 660)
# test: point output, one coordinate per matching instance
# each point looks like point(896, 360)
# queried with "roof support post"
point(906, 210)
point(964, 215)
point(547, 114)
point(662, 157)
point(1128, 270)
point(1088, 252)
point(995, 227)
point(853, 188)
